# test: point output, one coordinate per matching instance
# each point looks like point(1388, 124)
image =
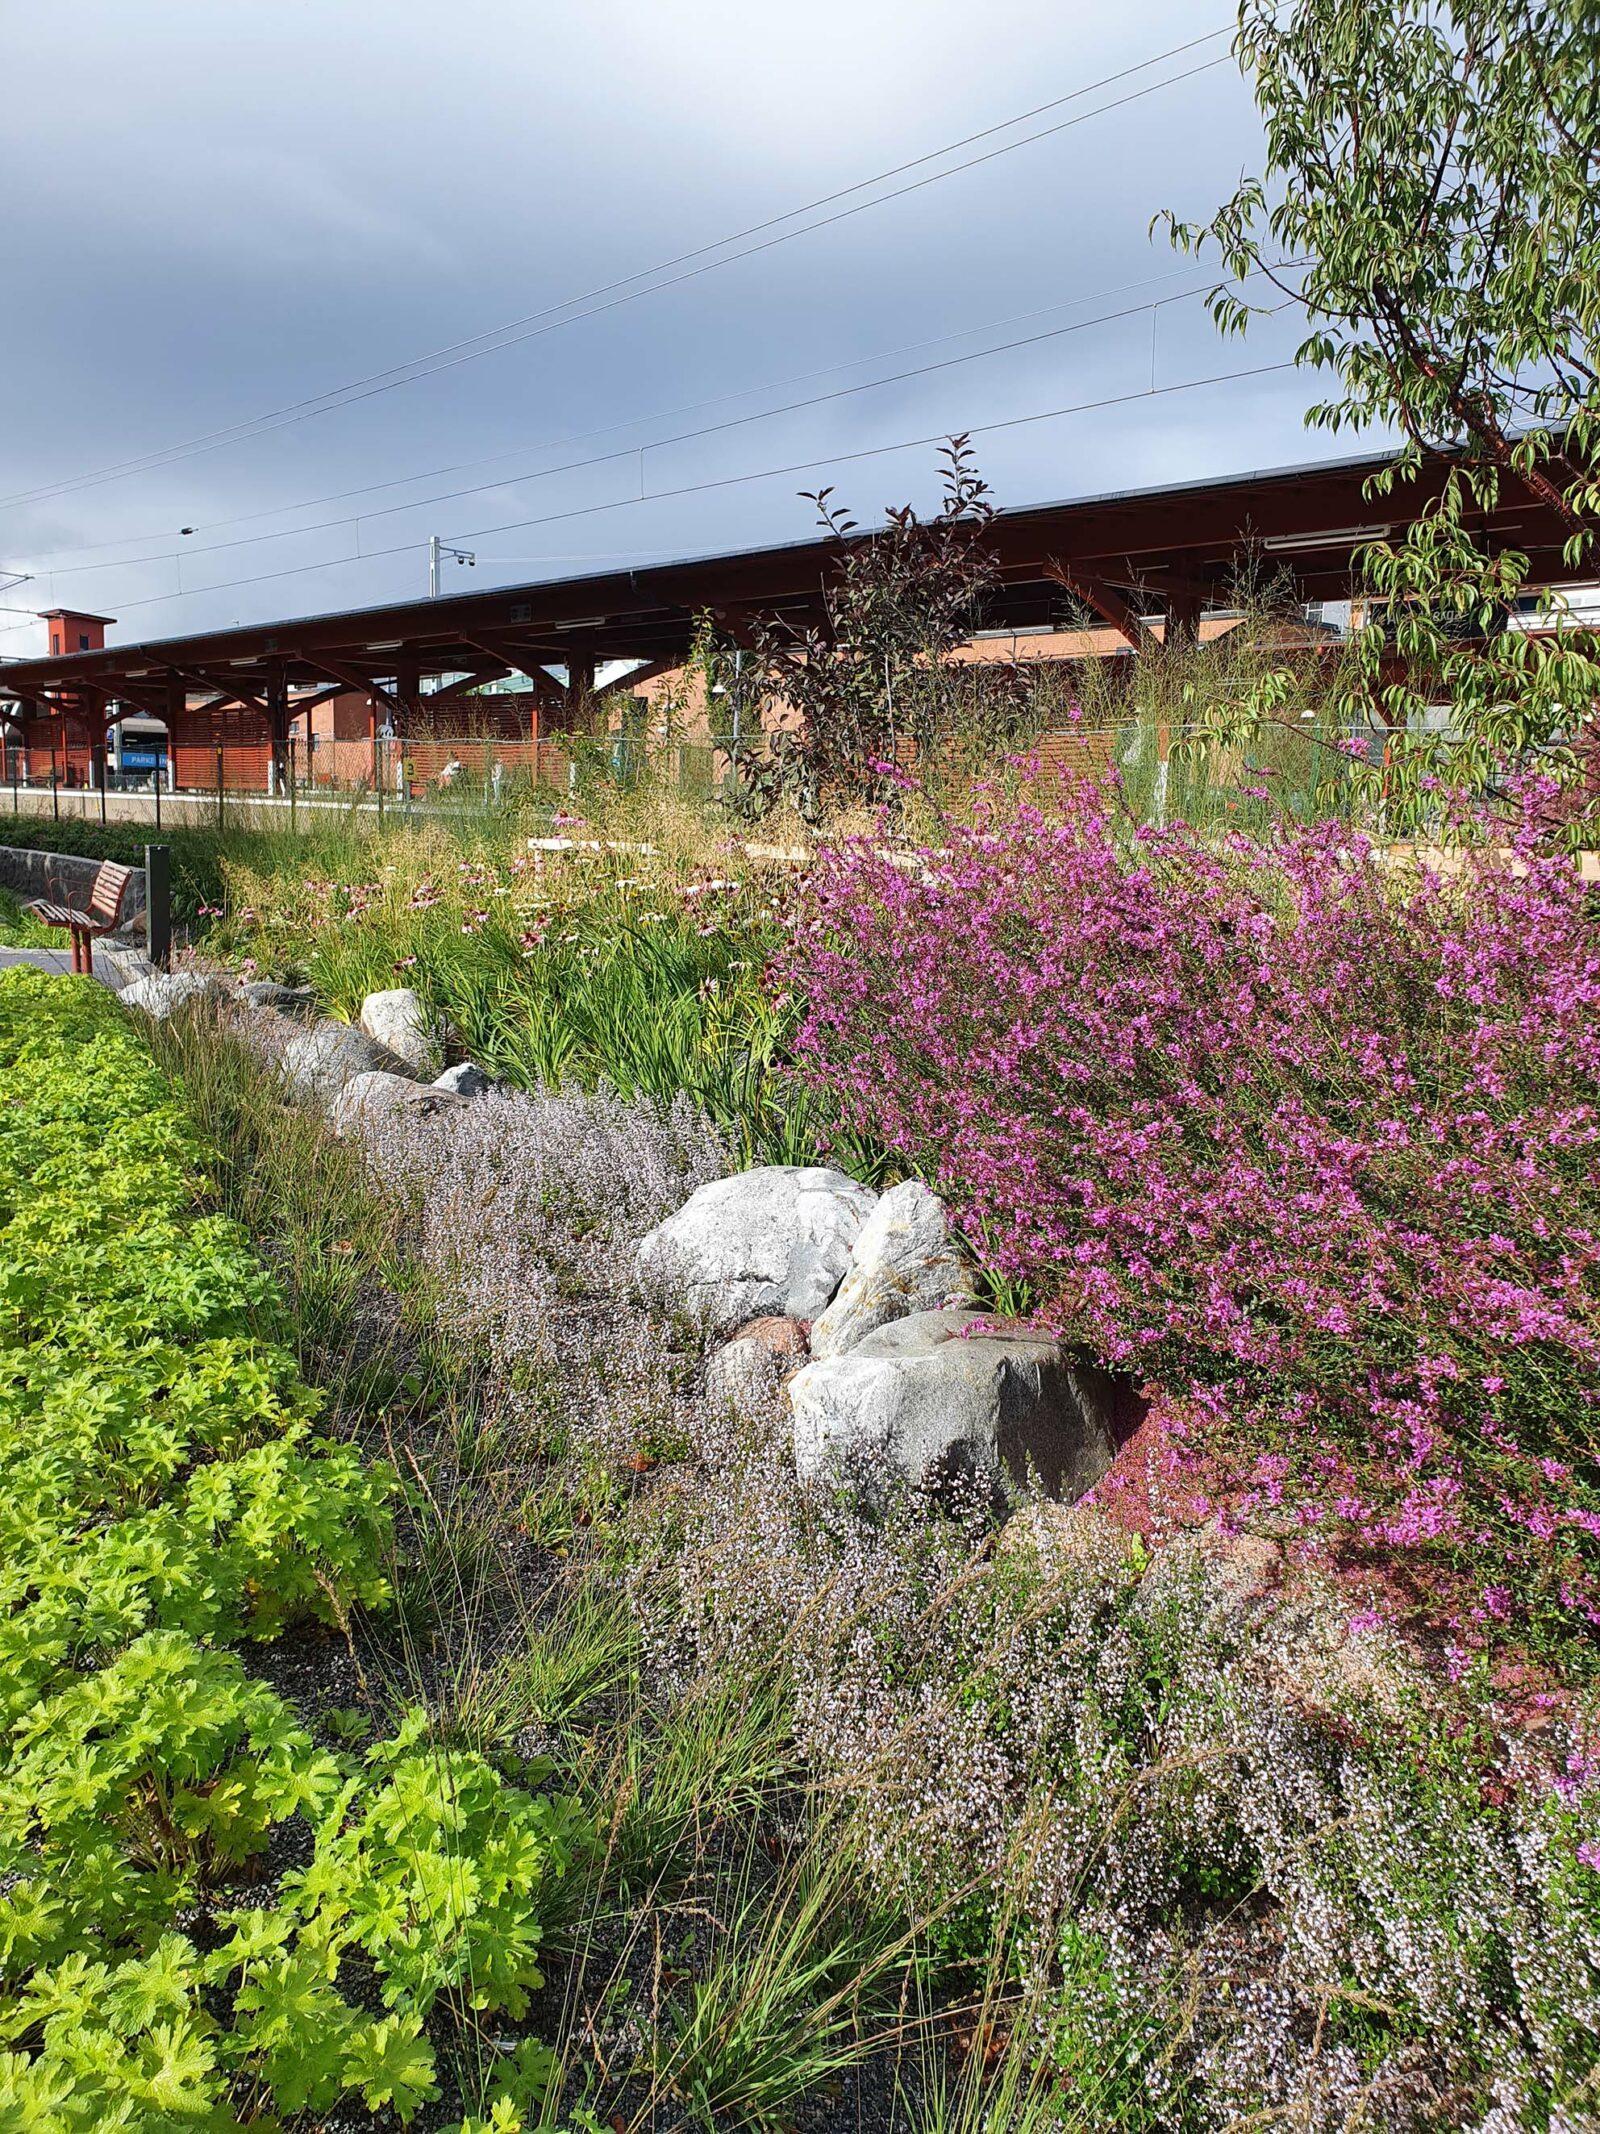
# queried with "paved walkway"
point(52, 959)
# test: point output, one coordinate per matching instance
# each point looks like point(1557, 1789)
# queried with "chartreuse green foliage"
point(164, 1493)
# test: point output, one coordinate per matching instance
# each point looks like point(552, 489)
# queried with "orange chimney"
point(73, 631)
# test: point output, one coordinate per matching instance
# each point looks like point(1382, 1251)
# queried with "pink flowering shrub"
point(1306, 1143)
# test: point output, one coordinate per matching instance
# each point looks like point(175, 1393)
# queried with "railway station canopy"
point(1174, 551)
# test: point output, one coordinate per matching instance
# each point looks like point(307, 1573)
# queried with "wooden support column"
point(580, 688)
point(558, 704)
point(177, 725)
point(1184, 604)
point(28, 712)
point(408, 698)
point(277, 701)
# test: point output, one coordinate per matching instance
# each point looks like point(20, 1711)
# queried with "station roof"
point(1157, 546)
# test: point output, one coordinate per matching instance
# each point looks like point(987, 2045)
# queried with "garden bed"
point(1153, 1837)
point(1203, 1800)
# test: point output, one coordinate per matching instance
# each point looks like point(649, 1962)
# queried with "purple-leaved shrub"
point(1304, 1141)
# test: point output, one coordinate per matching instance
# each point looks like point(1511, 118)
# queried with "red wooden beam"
point(349, 677)
point(1105, 601)
point(518, 658)
point(228, 691)
point(467, 683)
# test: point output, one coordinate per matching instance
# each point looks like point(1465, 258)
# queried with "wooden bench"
point(102, 914)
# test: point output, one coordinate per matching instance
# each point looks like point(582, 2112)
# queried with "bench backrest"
point(110, 888)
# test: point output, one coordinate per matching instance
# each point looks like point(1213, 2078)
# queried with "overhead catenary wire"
point(546, 321)
point(48, 559)
point(823, 461)
point(637, 450)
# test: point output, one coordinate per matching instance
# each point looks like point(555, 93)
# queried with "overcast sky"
point(215, 211)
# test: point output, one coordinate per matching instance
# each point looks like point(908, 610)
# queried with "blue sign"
point(144, 759)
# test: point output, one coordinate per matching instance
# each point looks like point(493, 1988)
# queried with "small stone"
point(397, 1020)
point(905, 1260)
point(1237, 1577)
point(1286, 1621)
point(1073, 1540)
point(163, 992)
point(368, 1100)
point(746, 1371)
point(467, 1080)
point(775, 1240)
point(296, 1000)
point(933, 1395)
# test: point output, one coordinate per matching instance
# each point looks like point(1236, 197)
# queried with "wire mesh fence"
point(1164, 770)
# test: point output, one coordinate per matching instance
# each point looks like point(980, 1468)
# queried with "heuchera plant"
point(1305, 1141)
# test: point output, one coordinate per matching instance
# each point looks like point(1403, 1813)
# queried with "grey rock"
point(922, 1399)
point(397, 1020)
point(905, 1260)
point(163, 992)
point(316, 1063)
point(297, 1000)
point(466, 1080)
point(1237, 1578)
point(770, 1241)
point(368, 1100)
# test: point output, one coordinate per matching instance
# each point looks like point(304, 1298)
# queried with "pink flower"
point(1307, 1145)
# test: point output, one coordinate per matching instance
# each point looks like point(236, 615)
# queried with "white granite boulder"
point(905, 1260)
point(163, 992)
point(397, 1020)
point(927, 1397)
point(467, 1080)
point(367, 1100)
point(773, 1242)
point(316, 1063)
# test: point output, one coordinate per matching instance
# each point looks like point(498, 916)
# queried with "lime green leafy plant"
point(164, 1493)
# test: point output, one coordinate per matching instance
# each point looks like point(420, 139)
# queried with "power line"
point(639, 557)
point(46, 559)
point(637, 451)
point(832, 459)
point(731, 481)
point(535, 324)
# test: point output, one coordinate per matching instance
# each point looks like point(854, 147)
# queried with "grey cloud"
point(217, 210)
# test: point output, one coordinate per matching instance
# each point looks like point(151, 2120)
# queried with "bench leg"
point(82, 953)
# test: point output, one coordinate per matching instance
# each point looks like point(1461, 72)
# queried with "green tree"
point(1430, 203)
